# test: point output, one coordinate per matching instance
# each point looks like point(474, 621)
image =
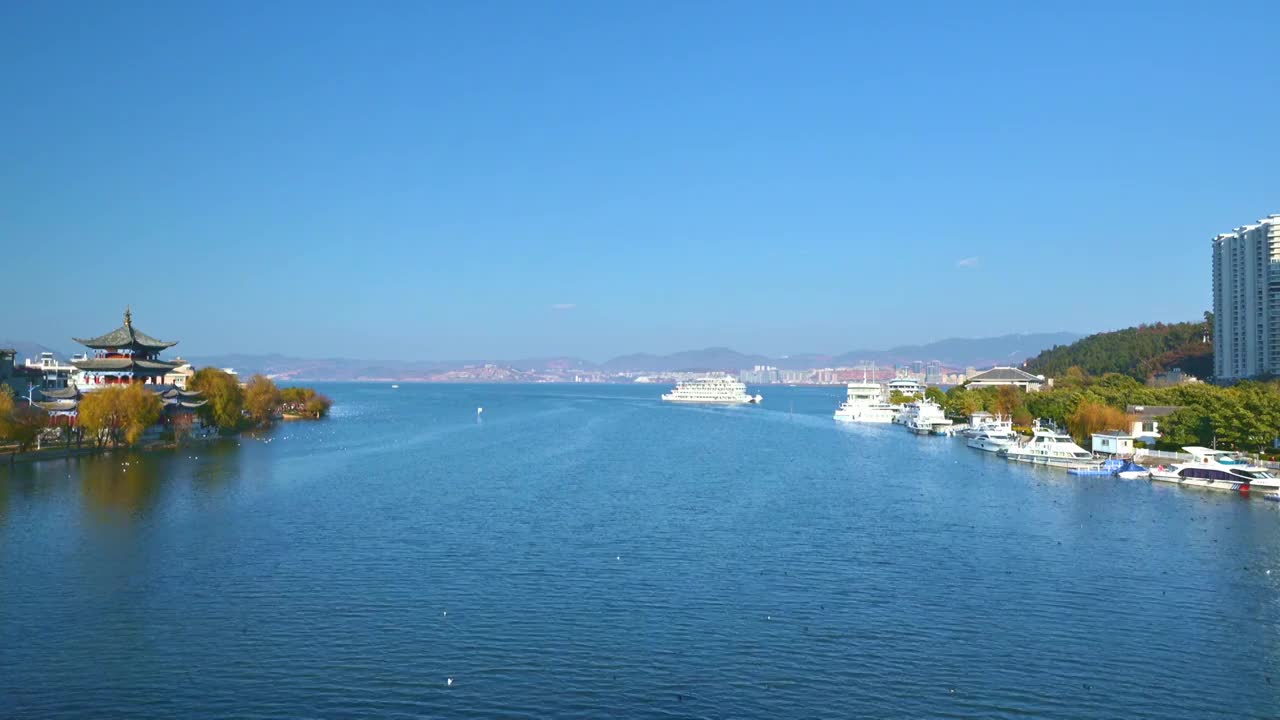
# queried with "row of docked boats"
point(1207, 468)
point(866, 403)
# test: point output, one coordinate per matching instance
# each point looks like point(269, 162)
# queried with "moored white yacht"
point(865, 403)
point(712, 390)
point(993, 440)
point(925, 417)
point(981, 422)
point(1218, 470)
point(1052, 448)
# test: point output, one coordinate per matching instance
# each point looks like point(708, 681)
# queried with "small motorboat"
point(1133, 471)
point(1108, 467)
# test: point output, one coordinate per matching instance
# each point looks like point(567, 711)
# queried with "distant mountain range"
point(954, 352)
point(29, 349)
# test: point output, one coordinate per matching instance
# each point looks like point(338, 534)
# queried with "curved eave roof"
point(125, 336)
point(184, 404)
point(57, 405)
point(67, 393)
point(122, 364)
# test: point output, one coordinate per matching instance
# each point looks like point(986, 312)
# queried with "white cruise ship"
point(866, 404)
point(1052, 448)
point(714, 390)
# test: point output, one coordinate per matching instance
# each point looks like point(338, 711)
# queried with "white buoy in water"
point(479, 410)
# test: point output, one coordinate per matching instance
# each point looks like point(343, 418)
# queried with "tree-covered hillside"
point(1137, 352)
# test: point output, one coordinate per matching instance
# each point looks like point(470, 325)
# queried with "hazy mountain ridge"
point(953, 352)
point(27, 349)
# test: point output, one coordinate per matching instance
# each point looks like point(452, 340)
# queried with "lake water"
point(587, 552)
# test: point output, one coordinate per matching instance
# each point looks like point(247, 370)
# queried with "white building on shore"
point(1246, 300)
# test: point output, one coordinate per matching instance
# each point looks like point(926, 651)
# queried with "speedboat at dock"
point(1218, 470)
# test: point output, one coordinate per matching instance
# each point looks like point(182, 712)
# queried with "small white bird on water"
point(448, 682)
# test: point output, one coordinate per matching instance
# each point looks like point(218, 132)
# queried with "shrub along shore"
point(121, 416)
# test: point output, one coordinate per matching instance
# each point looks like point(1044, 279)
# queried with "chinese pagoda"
point(124, 355)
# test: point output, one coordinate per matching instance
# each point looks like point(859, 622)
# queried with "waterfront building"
point(1246, 300)
point(7, 369)
point(62, 404)
point(1146, 420)
point(1113, 442)
point(124, 355)
point(53, 374)
point(180, 375)
point(1001, 375)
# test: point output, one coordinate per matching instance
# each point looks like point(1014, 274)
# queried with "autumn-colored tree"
point(6, 411)
point(304, 401)
point(897, 397)
point(119, 414)
point(1008, 400)
point(262, 399)
point(1092, 416)
point(25, 425)
point(318, 405)
point(141, 409)
point(962, 403)
point(225, 406)
point(101, 415)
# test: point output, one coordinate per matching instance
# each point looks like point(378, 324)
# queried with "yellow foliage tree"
point(119, 413)
point(262, 399)
point(100, 415)
point(6, 412)
point(1091, 416)
point(225, 406)
point(141, 409)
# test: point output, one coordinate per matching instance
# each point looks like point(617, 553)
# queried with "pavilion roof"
point(125, 336)
point(122, 363)
point(66, 393)
point(58, 405)
point(1006, 374)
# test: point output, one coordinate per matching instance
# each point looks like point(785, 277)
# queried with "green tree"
point(897, 397)
point(262, 399)
point(935, 394)
point(962, 403)
point(225, 406)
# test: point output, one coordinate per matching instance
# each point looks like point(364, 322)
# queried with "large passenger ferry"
point(866, 404)
point(713, 390)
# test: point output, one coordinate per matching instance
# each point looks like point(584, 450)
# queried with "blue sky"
point(452, 180)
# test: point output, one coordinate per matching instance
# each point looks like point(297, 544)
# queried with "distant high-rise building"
point(1246, 300)
point(917, 367)
point(933, 373)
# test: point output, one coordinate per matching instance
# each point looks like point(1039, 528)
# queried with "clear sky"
point(436, 180)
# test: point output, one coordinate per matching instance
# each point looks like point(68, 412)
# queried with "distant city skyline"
point(440, 182)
